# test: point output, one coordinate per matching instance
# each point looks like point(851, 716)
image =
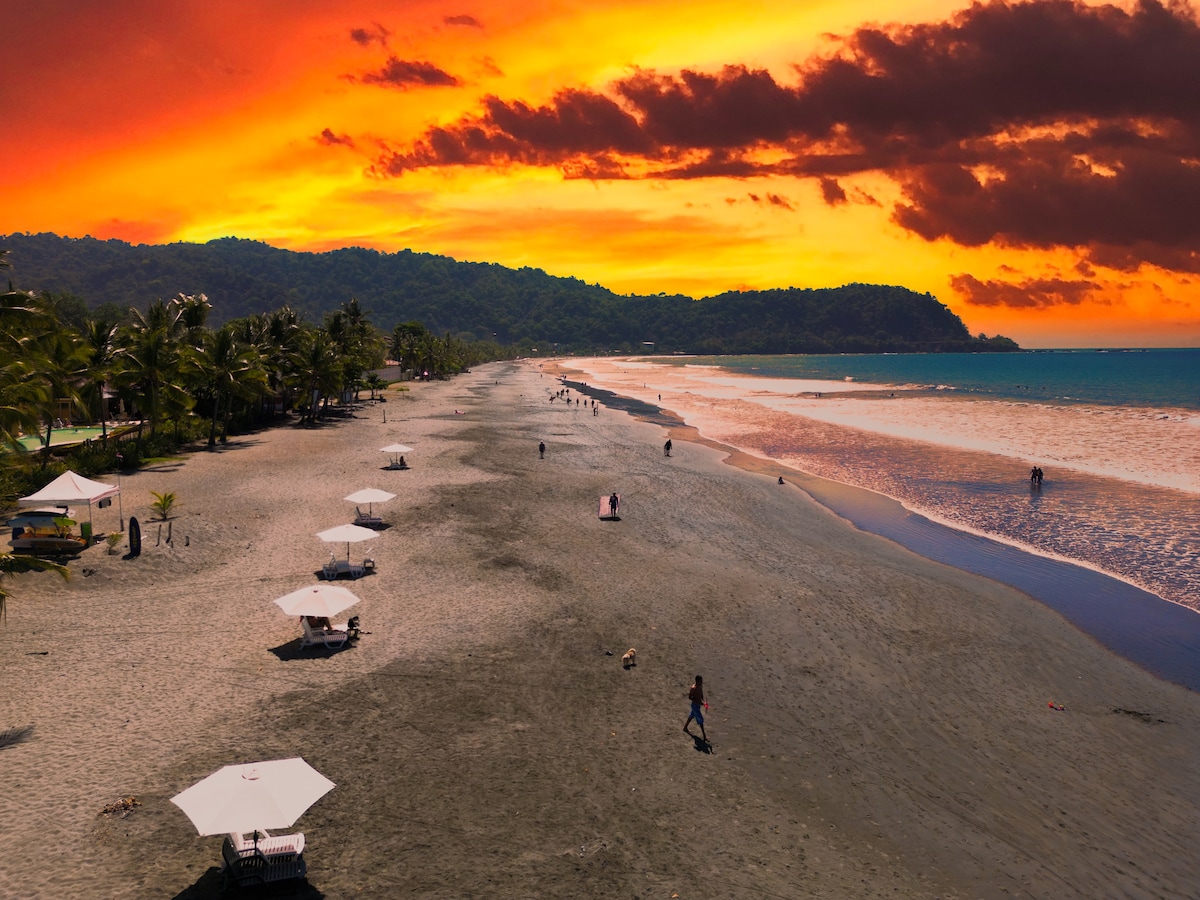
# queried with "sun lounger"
point(365, 520)
point(247, 861)
point(332, 570)
point(331, 638)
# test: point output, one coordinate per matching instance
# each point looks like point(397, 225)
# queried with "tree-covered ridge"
point(523, 308)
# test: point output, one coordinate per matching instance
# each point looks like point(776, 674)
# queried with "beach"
point(880, 723)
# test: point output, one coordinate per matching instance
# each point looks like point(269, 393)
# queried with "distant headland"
point(523, 308)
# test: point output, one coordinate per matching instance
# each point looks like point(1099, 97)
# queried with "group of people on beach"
point(565, 394)
point(1036, 475)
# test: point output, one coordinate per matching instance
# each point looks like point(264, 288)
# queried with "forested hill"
point(522, 307)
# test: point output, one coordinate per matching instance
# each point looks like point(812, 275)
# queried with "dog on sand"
point(630, 658)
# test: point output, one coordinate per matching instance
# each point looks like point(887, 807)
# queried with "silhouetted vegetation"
point(483, 303)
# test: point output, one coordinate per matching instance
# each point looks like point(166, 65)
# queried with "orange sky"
point(1036, 166)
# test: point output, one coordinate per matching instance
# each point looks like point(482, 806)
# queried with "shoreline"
point(1156, 634)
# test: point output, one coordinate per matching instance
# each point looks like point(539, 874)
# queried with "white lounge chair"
point(365, 520)
point(331, 638)
point(260, 858)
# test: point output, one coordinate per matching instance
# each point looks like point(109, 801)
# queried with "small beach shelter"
point(253, 796)
point(317, 600)
point(351, 534)
point(369, 496)
point(70, 488)
point(395, 450)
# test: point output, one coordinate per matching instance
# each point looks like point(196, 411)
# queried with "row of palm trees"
point(417, 349)
point(166, 366)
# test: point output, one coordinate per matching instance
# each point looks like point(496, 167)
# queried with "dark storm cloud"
point(832, 192)
point(1033, 293)
point(402, 73)
point(365, 37)
point(582, 129)
point(1038, 124)
point(330, 139)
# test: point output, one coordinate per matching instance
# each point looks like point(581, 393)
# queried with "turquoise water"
point(1108, 377)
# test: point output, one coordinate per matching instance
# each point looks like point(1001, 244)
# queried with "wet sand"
point(879, 722)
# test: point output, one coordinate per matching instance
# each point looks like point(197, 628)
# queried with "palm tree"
point(22, 396)
point(230, 369)
point(13, 564)
point(406, 340)
point(374, 384)
point(151, 361)
point(280, 337)
point(321, 370)
point(100, 354)
point(59, 363)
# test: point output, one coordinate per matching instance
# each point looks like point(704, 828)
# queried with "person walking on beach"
point(696, 696)
point(667, 448)
point(613, 502)
point(541, 449)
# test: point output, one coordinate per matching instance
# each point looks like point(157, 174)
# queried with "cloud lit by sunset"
point(1034, 165)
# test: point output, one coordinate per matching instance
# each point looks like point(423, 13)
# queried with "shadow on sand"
point(702, 746)
point(209, 885)
point(319, 574)
point(292, 650)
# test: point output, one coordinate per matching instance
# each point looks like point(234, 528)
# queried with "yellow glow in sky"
point(980, 153)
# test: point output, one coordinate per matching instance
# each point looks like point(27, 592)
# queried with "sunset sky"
point(1036, 166)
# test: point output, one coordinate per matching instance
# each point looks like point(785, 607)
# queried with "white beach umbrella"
point(370, 496)
point(317, 600)
point(351, 534)
point(253, 796)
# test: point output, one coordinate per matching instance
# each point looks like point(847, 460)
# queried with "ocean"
point(953, 438)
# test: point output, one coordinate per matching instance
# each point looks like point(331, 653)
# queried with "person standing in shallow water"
point(696, 696)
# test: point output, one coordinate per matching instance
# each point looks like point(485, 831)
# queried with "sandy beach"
point(879, 723)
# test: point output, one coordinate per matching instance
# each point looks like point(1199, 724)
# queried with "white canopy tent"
point(70, 488)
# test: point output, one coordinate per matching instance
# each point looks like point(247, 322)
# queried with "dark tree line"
point(484, 302)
